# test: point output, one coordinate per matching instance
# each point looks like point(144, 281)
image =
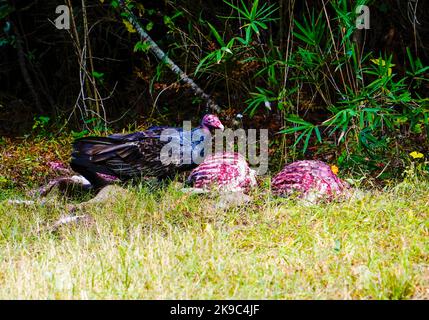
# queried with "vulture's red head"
point(211, 122)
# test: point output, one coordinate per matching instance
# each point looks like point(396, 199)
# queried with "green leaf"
point(97, 75)
point(307, 140)
point(293, 129)
point(246, 14)
point(319, 137)
point(149, 26)
point(168, 22)
point(142, 46)
point(216, 35)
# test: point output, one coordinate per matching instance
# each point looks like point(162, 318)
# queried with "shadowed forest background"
point(324, 89)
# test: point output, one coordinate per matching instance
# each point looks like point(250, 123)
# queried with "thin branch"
point(162, 56)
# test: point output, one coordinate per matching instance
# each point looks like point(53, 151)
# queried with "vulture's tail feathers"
point(90, 156)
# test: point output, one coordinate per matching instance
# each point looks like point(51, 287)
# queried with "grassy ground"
point(165, 244)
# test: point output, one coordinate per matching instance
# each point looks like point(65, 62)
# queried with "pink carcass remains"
point(224, 172)
point(310, 179)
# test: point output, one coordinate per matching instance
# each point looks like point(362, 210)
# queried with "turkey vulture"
point(138, 154)
point(225, 171)
point(311, 179)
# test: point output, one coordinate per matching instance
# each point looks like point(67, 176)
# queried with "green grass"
point(166, 245)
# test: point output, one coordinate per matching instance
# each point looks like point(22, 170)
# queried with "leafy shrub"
point(368, 106)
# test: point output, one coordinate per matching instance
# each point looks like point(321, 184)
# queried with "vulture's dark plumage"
point(135, 155)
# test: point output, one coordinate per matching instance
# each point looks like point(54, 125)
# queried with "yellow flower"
point(416, 155)
point(334, 169)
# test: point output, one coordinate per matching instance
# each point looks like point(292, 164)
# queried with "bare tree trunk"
point(161, 55)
